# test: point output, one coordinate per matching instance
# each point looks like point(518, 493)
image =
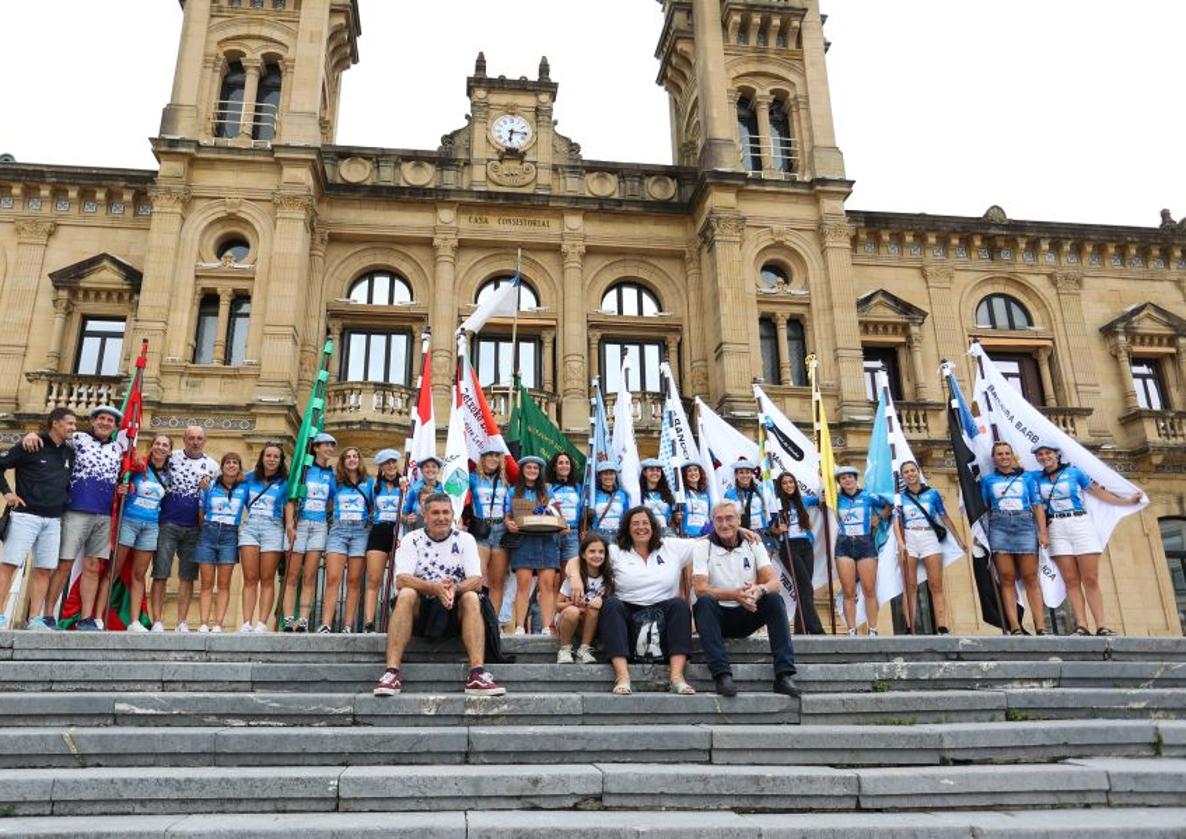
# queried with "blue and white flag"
point(623, 447)
point(599, 447)
point(503, 303)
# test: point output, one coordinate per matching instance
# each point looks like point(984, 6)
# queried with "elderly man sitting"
point(737, 590)
point(438, 574)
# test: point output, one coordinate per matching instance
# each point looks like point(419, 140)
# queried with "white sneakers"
point(182, 627)
point(216, 628)
point(137, 627)
point(258, 627)
point(585, 655)
point(158, 627)
point(564, 655)
point(203, 629)
point(261, 627)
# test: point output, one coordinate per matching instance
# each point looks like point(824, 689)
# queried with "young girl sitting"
point(583, 612)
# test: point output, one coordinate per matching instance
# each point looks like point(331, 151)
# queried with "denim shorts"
point(537, 553)
point(569, 544)
point(179, 539)
point(348, 538)
point(265, 534)
point(139, 535)
point(497, 530)
point(37, 534)
point(218, 544)
point(1012, 533)
point(856, 547)
point(310, 536)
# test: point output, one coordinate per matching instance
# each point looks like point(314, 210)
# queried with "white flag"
point(726, 444)
point(715, 492)
point(503, 303)
point(623, 448)
point(455, 469)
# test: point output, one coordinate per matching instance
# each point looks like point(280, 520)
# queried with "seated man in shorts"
point(438, 574)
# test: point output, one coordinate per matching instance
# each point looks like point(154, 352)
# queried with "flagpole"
point(891, 418)
point(817, 406)
point(784, 544)
point(996, 436)
point(515, 332)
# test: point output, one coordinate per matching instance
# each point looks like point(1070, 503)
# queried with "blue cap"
point(652, 463)
point(846, 470)
point(607, 466)
point(385, 455)
point(432, 458)
point(107, 409)
point(1039, 446)
point(324, 438)
point(744, 464)
point(538, 461)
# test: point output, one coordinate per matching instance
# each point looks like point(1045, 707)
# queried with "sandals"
point(1081, 631)
point(1104, 632)
point(622, 688)
point(682, 688)
point(1017, 631)
point(1044, 631)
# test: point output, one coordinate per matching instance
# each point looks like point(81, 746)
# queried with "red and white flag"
point(481, 429)
point(423, 442)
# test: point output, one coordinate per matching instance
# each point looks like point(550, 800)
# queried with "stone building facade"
point(259, 234)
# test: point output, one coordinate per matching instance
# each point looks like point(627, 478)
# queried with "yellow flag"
point(823, 438)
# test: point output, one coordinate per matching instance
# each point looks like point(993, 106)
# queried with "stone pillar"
point(720, 148)
point(836, 235)
point(313, 334)
point(765, 135)
point(158, 288)
point(574, 406)
point(62, 308)
point(1176, 403)
point(914, 342)
point(821, 156)
point(1050, 399)
point(548, 372)
point(180, 117)
point(225, 296)
point(594, 356)
point(784, 355)
point(672, 342)
point(301, 125)
point(251, 70)
point(730, 323)
point(1086, 391)
point(695, 352)
point(1124, 359)
point(19, 295)
point(443, 318)
point(284, 296)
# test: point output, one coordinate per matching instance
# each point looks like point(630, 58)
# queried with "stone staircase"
point(276, 735)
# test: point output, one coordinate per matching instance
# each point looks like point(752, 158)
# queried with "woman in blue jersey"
point(390, 487)
point(429, 483)
point(918, 540)
point(312, 529)
point(537, 552)
point(792, 525)
point(610, 502)
point(568, 497)
point(1016, 524)
point(140, 526)
point(1074, 544)
point(657, 496)
point(265, 536)
point(748, 497)
point(219, 515)
point(488, 491)
point(695, 512)
point(857, 513)
point(354, 504)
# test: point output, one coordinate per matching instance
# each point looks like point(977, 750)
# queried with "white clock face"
point(512, 131)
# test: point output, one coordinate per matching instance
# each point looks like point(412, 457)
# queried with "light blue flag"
point(879, 466)
point(600, 445)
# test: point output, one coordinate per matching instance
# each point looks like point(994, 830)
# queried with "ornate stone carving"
point(939, 275)
point(574, 372)
point(176, 422)
point(34, 232)
point(62, 305)
point(233, 206)
point(320, 240)
point(996, 215)
point(692, 261)
point(699, 380)
point(574, 253)
point(169, 199)
point(1067, 281)
point(287, 202)
point(511, 172)
point(836, 234)
point(445, 246)
point(720, 227)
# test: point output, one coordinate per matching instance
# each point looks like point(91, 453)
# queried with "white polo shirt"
point(655, 579)
point(729, 567)
point(454, 557)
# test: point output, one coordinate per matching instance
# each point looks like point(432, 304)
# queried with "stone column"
point(159, 287)
point(284, 295)
point(301, 125)
point(672, 342)
point(914, 342)
point(313, 333)
point(594, 357)
point(734, 311)
point(250, 91)
point(720, 148)
point(548, 368)
point(225, 296)
point(574, 407)
point(19, 296)
point(784, 355)
point(62, 308)
point(180, 117)
point(1050, 399)
point(443, 318)
point(696, 354)
point(836, 235)
point(1124, 359)
point(1086, 391)
point(765, 135)
point(1180, 357)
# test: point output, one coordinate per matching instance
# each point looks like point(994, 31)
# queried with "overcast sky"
point(1067, 110)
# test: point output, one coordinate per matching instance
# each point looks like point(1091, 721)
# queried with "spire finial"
point(545, 70)
point(480, 65)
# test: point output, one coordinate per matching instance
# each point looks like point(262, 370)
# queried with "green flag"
point(530, 432)
point(311, 424)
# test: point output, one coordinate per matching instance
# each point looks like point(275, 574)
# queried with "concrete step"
point(424, 677)
point(743, 745)
point(288, 648)
point(1155, 823)
point(1100, 782)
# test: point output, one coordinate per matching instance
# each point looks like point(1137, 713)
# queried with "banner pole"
point(818, 406)
point(992, 565)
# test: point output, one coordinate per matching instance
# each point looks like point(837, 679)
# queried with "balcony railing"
point(229, 120)
point(500, 403)
point(371, 402)
point(1068, 420)
point(1166, 428)
point(921, 420)
point(77, 392)
point(646, 408)
point(756, 158)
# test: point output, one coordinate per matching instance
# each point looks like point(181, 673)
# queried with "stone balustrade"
point(76, 392)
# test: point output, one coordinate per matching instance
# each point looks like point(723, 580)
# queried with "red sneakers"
point(389, 684)
point(481, 683)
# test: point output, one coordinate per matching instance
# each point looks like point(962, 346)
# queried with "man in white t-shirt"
point(438, 574)
point(737, 591)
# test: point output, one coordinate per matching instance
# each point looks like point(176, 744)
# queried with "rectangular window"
point(797, 352)
point(495, 362)
point(381, 357)
point(768, 341)
point(100, 347)
point(1021, 371)
point(644, 358)
point(1146, 375)
point(875, 359)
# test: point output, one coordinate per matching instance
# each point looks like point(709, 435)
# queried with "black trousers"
point(803, 566)
point(717, 622)
point(613, 625)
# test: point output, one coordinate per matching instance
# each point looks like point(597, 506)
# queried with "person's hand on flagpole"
point(121, 488)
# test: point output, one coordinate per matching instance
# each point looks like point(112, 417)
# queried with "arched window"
point(236, 246)
point(780, 138)
point(774, 276)
point(630, 299)
point(1000, 311)
point(267, 103)
point(228, 110)
point(747, 135)
point(528, 299)
point(380, 288)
